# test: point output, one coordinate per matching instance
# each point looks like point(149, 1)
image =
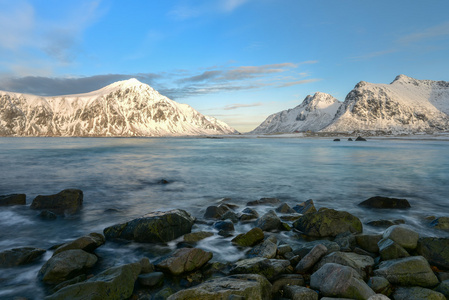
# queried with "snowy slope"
point(406, 105)
point(124, 108)
point(314, 113)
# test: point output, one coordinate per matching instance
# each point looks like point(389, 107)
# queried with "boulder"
point(443, 288)
point(362, 264)
point(87, 243)
point(151, 279)
point(267, 249)
point(435, 250)
point(284, 248)
point(368, 242)
point(385, 202)
point(216, 212)
point(284, 208)
point(249, 239)
point(66, 202)
point(306, 247)
point(308, 261)
point(66, 265)
point(13, 199)
point(286, 279)
point(349, 139)
point(380, 285)
point(290, 217)
point(270, 268)
point(408, 271)
point(114, 283)
point(153, 227)
point(328, 222)
point(441, 223)
point(296, 292)
point(194, 237)
point(360, 139)
point(19, 256)
point(402, 235)
point(416, 293)
point(264, 201)
point(335, 280)
point(336, 140)
point(269, 221)
point(146, 266)
point(245, 286)
point(74, 280)
point(225, 225)
point(248, 214)
point(391, 250)
point(184, 260)
point(305, 207)
point(230, 215)
point(346, 241)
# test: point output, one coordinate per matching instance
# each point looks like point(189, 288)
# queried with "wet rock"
point(306, 247)
point(75, 280)
point(248, 214)
point(402, 235)
point(151, 279)
point(264, 201)
point(360, 139)
point(443, 288)
point(284, 208)
point(226, 225)
point(416, 293)
point(362, 264)
point(385, 223)
point(350, 139)
point(267, 249)
point(13, 199)
point(346, 241)
point(290, 217)
point(409, 271)
point(47, 215)
point(328, 222)
point(286, 279)
point(230, 215)
point(296, 292)
point(388, 249)
point(308, 261)
point(66, 202)
point(305, 207)
point(66, 265)
point(335, 280)
point(385, 202)
point(336, 140)
point(270, 268)
point(194, 237)
point(440, 223)
point(163, 294)
point(269, 221)
point(153, 227)
point(184, 260)
point(247, 286)
point(435, 250)
point(284, 248)
point(87, 243)
point(146, 266)
point(216, 212)
point(380, 285)
point(368, 242)
point(114, 283)
point(19, 256)
point(249, 239)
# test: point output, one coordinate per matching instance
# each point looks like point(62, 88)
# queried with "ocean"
point(120, 178)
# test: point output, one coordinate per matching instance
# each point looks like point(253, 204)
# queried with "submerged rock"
point(184, 260)
point(13, 199)
point(385, 202)
point(87, 243)
point(264, 201)
point(65, 202)
point(153, 227)
point(19, 256)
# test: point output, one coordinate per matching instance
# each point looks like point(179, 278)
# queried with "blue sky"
point(237, 60)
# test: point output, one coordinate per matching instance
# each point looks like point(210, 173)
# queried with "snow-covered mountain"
point(124, 108)
point(406, 105)
point(314, 113)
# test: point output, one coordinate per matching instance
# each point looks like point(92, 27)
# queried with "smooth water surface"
point(119, 178)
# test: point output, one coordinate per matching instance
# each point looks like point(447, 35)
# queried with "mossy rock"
point(249, 239)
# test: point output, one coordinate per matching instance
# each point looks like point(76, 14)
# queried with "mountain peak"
point(404, 79)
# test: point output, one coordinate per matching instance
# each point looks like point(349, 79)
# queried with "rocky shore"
point(335, 260)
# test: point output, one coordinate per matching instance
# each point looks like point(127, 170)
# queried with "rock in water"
point(264, 201)
point(13, 199)
point(385, 202)
point(249, 239)
point(87, 243)
point(305, 207)
point(360, 139)
point(328, 222)
point(65, 202)
point(19, 256)
point(153, 227)
point(113, 284)
point(245, 286)
point(441, 223)
point(184, 260)
point(269, 221)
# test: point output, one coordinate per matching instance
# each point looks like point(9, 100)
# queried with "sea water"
point(120, 178)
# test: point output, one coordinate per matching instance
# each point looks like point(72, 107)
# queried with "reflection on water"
point(120, 179)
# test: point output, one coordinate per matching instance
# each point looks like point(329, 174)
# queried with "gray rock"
point(335, 280)
point(441, 223)
point(19, 256)
point(284, 208)
point(248, 286)
point(267, 249)
point(146, 266)
point(368, 242)
point(296, 292)
point(66, 265)
point(380, 285)
point(153, 227)
point(362, 264)
point(346, 241)
point(290, 217)
point(416, 293)
point(66, 202)
point(435, 250)
point(74, 280)
point(249, 239)
point(305, 207)
point(286, 279)
point(269, 221)
point(194, 237)
point(184, 260)
point(264, 201)
point(230, 215)
point(270, 268)
point(225, 225)
point(114, 283)
point(391, 250)
point(443, 288)
point(151, 279)
point(87, 243)
point(216, 212)
point(385, 202)
point(284, 248)
point(248, 214)
point(13, 199)
point(409, 271)
point(306, 247)
point(308, 261)
point(402, 235)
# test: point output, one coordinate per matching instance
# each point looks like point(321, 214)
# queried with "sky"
point(236, 60)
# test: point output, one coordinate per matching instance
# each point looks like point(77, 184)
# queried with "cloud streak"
point(240, 105)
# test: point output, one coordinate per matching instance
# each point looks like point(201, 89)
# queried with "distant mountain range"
point(406, 106)
point(124, 108)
